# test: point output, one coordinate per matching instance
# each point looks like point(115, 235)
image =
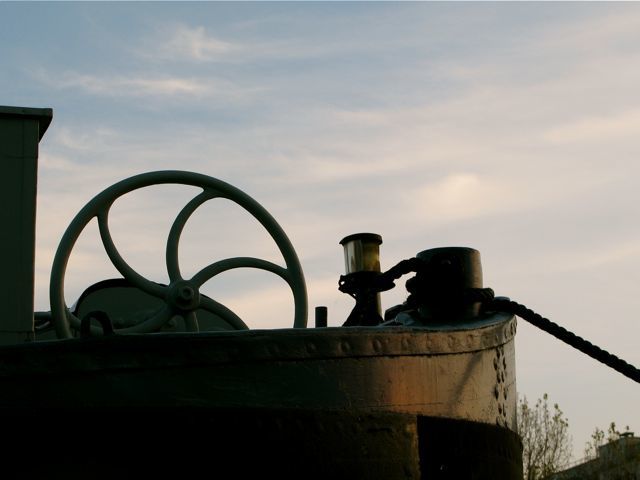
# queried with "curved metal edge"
point(212, 348)
point(121, 265)
point(220, 266)
point(173, 239)
point(223, 312)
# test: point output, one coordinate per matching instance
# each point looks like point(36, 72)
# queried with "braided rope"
point(566, 336)
point(419, 291)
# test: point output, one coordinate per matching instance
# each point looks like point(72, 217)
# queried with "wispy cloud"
point(127, 86)
point(81, 140)
point(199, 44)
point(593, 35)
point(598, 128)
point(187, 43)
point(150, 86)
point(461, 196)
point(602, 258)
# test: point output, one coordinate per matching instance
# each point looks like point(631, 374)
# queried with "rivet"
point(311, 347)
point(429, 343)
point(345, 346)
point(377, 345)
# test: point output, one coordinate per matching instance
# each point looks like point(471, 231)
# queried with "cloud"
point(598, 128)
point(199, 44)
point(595, 34)
point(80, 140)
point(131, 86)
point(461, 196)
point(151, 86)
point(580, 258)
point(186, 43)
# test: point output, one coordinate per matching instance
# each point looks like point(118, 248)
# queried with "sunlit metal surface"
point(454, 372)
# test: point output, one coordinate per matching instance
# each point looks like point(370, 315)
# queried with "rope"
point(570, 338)
point(423, 288)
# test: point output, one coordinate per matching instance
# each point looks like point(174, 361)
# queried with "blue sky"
point(512, 128)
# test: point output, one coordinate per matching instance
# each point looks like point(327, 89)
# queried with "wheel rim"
point(213, 188)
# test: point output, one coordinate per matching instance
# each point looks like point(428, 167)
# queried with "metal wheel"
point(181, 296)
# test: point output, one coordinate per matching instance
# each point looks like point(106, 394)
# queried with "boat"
point(138, 379)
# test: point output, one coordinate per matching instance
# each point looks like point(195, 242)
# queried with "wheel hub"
point(183, 295)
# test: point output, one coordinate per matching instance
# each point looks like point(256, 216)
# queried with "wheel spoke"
point(75, 321)
point(125, 270)
point(223, 312)
point(215, 268)
point(173, 266)
point(191, 322)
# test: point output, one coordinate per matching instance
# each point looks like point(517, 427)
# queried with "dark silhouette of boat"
point(142, 380)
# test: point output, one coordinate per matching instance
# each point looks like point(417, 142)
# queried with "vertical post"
point(321, 317)
point(20, 132)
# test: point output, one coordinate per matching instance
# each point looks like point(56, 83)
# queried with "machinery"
point(144, 379)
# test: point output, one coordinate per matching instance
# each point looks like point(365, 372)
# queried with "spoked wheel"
point(182, 296)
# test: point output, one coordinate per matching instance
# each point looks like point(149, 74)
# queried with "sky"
point(512, 128)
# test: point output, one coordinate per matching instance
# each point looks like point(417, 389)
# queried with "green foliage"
point(545, 438)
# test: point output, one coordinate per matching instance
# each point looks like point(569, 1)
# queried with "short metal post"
point(20, 132)
point(321, 317)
